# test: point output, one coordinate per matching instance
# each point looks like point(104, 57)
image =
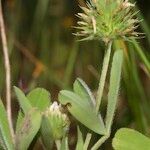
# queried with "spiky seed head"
point(107, 20)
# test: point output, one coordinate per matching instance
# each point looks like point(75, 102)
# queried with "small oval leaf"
point(129, 139)
point(39, 98)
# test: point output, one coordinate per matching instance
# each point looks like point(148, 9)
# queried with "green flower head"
point(107, 20)
point(57, 120)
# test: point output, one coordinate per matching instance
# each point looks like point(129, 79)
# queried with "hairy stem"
point(100, 142)
point(103, 76)
point(87, 141)
point(7, 70)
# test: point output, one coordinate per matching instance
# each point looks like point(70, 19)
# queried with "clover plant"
point(43, 119)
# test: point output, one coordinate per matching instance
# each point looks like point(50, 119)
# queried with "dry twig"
point(7, 70)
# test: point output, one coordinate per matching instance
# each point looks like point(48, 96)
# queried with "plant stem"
point(103, 76)
point(100, 142)
point(7, 70)
point(58, 144)
point(87, 141)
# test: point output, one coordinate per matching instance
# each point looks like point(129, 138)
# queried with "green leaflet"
point(82, 110)
point(81, 88)
point(115, 76)
point(24, 104)
point(46, 133)
point(39, 98)
point(19, 120)
point(4, 128)
point(28, 129)
point(23, 101)
point(129, 139)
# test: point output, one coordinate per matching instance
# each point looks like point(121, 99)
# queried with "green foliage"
point(19, 120)
point(5, 134)
point(23, 101)
point(39, 98)
point(39, 114)
point(115, 76)
point(103, 20)
point(81, 88)
point(129, 139)
point(81, 108)
point(28, 129)
point(46, 133)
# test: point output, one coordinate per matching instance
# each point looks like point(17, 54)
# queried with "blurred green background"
point(44, 53)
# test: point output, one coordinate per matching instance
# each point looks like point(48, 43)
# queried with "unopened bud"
point(57, 120)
